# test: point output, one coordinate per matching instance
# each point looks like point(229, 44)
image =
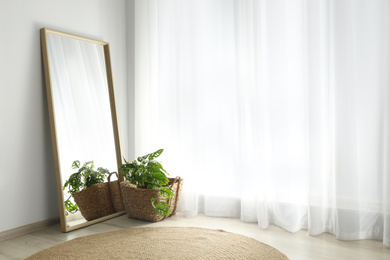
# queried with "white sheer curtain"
point(276, 112)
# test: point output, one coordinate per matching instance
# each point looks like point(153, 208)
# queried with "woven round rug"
point(162, 243)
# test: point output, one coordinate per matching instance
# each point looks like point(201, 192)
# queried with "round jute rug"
point(162, 243)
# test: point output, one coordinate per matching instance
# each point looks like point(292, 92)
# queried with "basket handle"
point(174, 181)
point(109, 176)
point(177, 179)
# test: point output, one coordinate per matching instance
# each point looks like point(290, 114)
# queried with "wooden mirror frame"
point(48, 82)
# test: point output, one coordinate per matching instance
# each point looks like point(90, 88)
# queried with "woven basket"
point(100, 199)
point(138, 201)
point(116, 196)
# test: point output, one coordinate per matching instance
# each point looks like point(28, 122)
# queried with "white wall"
point(27, 179)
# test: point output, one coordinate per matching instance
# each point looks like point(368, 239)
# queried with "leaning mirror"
point(84, 127)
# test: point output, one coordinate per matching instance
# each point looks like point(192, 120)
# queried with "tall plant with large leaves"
point(147, 173)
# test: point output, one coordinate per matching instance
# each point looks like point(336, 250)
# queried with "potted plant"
point(92, 195)
point(148, 193)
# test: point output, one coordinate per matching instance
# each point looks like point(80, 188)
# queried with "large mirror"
point(83, 119)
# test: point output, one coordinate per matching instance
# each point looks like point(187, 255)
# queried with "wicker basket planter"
point(99, 200)
point(138, 204)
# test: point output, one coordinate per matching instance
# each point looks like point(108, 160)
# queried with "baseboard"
point(4, 235)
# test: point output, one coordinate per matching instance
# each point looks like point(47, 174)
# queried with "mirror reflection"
point(84, 130)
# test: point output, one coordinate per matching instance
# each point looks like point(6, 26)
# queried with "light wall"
point(27, 178)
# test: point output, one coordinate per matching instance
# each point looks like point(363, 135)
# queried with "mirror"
point(82, 113)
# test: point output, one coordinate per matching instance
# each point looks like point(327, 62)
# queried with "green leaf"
point(70, 207)
point(152, 186)
point(66, 184)
point(103, 170)
point(162, 208)
point(166, 192)
point(156, 154)
point(76, 164)
point(161, 167)
point(125, 160)
point(89, 165)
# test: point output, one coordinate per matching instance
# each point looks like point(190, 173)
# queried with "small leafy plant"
point(147, 173)
point(84, 178)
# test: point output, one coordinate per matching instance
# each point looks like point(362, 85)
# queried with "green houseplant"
point(84, 178)
point(147, 173)
point(87, 188)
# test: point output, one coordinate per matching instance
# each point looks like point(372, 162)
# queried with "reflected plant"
point(84, 178)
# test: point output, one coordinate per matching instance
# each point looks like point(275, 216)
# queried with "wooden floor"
point(296, 246)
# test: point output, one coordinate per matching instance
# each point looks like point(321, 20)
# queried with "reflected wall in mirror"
point(82, 118)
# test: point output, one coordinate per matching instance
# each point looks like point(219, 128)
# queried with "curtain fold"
point(275, 112)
